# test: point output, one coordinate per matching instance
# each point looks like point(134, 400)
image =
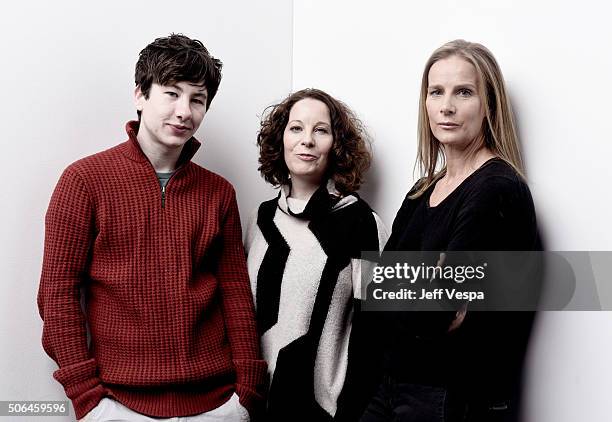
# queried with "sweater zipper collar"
point(133, 151)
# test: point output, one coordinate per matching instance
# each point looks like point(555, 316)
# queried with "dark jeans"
point(402, 402)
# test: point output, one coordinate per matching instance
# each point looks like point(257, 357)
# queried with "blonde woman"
point(472, 196)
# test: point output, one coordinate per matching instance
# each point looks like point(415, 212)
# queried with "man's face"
point(171, 114)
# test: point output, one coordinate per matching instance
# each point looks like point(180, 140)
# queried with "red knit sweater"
point(169, 305)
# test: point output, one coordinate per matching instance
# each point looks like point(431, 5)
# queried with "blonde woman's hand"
point(459, 317)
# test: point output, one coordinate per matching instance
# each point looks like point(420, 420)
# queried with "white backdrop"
point(557, 63)
point(67, 75)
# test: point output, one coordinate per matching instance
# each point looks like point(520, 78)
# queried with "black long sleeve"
point(492, 210)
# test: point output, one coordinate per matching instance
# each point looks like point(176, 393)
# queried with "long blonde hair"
point(500, 134)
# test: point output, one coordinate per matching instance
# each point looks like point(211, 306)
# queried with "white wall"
point(557, 64)
point(67, 80)
point(67, 83)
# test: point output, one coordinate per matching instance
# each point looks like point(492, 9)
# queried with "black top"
point(491, 210)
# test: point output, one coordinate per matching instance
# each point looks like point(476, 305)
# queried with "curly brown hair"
point(350, 155)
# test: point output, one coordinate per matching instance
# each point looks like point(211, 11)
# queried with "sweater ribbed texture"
point(168, 299)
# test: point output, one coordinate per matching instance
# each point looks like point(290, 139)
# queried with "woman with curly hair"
point(304, 257)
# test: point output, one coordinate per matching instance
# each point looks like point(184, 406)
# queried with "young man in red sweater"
point(155, 242)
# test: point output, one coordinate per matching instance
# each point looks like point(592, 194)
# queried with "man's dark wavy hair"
point(177, 58)
point(350, 154)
